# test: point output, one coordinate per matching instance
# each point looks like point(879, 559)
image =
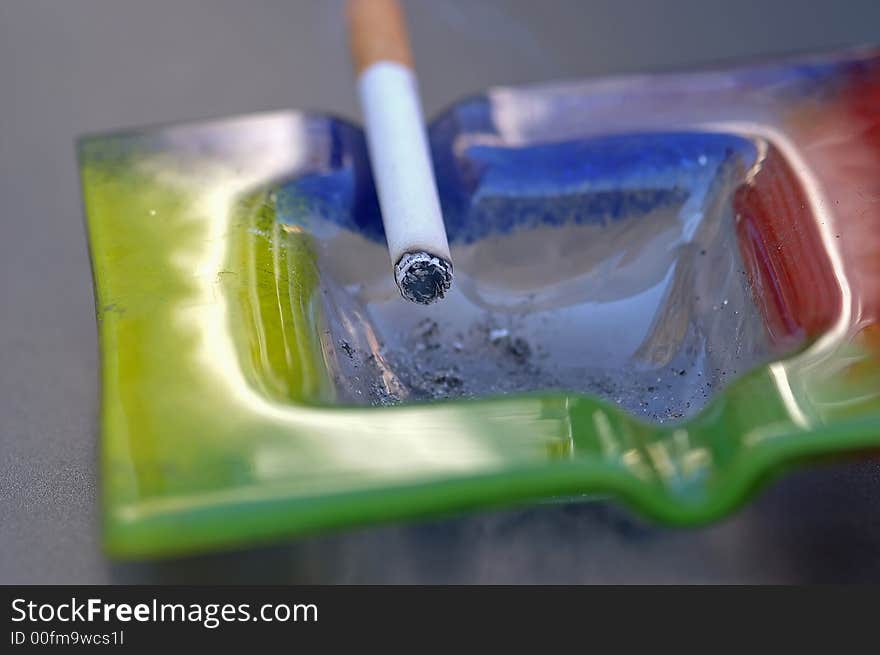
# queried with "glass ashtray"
point(667, 289)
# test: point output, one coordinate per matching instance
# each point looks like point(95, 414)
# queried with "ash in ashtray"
point(491, 354)
point(487, 358)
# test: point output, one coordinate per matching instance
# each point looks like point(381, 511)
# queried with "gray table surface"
point(73, 66)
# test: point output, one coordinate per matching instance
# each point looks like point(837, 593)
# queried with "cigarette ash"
point(496, 354)
point(434, 363)
point(423, 278)
point(485, 359)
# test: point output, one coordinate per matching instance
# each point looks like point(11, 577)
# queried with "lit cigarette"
point(398, 147)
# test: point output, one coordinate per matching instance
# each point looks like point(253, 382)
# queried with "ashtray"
point(667, 290)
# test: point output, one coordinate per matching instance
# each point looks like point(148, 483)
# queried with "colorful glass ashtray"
point(667, 290)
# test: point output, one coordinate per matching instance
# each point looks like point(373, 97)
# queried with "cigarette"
point(398, 147)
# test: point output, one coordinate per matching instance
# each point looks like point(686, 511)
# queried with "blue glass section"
point(594, 180)
point(337, 188)
point(487, 189)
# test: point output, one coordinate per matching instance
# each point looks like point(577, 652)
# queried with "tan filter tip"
point(377, 30)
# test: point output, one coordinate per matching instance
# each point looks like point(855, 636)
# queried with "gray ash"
point(497, 354)
point(518, 349)
point(347, 348)
point(422, 277)
point(435, 363)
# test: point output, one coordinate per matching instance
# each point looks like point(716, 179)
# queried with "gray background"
point(74, 66)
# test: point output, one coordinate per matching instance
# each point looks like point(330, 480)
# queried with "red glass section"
point(785, 258)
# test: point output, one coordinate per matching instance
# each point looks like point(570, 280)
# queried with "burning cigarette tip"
point(423, 277)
